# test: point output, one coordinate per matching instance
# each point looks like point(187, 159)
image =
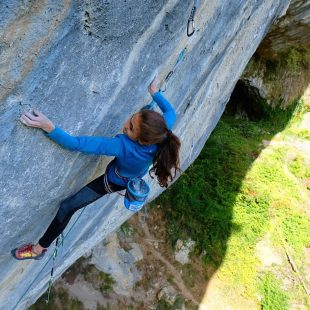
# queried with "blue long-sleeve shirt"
point(132, 159)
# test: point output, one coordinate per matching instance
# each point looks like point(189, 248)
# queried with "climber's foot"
point(27, 252)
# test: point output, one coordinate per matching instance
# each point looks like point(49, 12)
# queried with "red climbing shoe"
point(26, 252)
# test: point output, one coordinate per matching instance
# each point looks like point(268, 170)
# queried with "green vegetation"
point(126, 229)
point(249, 182)
point(292, 60)
point(274, 298)
point(163, 304)
point(302, 133)
point(59, 300)
point(236, 192)
point(285, 75)
point(100, 280)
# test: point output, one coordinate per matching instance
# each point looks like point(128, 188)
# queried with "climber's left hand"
point(38, 120)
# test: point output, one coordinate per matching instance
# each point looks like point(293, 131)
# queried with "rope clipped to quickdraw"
point(62, 237)
point(190, 22)
point(51, 257)
point(50, 282)
point(180, 59)
point(190, 31)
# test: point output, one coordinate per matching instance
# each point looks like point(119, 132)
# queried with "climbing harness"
point(136, 192)
point(190, 22)
point(181, 57)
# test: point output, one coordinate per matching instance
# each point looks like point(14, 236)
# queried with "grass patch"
point(301, 133)
point(163, 304)
point(59, 300)
point(299, 168)
point(200, 203)
point(100, 280)
point(295, 228)
point(273, 297)
point(278, 119)
point(236, 192)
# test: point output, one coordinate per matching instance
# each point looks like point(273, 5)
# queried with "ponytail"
point(166, 161)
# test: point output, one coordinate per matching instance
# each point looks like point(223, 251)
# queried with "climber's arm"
point(85, 144)
point(167, 109)
point(88, 144)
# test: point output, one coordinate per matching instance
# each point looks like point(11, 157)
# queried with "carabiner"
point(169, 75)
point(166, 80)
point(190, 23)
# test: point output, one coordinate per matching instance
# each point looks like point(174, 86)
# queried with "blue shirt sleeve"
point(88, 144)
point(167, 109)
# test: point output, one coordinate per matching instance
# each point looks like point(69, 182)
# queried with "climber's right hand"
point(154, 85)
point(38, 120)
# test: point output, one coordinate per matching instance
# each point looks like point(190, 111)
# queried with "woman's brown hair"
point(153, 130)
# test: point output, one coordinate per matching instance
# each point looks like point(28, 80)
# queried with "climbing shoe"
point(26, 252)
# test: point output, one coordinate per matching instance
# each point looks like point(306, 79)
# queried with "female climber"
point(147, 139)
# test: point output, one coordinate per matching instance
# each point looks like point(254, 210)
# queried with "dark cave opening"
point(246, 102)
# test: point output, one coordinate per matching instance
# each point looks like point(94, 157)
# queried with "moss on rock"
point(283, 77)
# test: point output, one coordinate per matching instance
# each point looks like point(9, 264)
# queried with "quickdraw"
point(50, 282)
point(190, 22)
point(190, 31)
point(52, 270)
point(180, 59)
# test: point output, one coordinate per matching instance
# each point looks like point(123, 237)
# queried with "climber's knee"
point(65, 208)
point(75, 202)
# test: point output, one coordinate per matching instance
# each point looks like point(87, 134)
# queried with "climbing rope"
point(143, 217)
point(53, 256)
point(50, 282)
point(181, 57)
point(190, 31)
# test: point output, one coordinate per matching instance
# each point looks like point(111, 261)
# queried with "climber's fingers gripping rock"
point(154, 85)
point(38, 120)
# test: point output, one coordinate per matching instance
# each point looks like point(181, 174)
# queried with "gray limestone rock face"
point(112, 259)
point(182, 251)
point(291, 30)
point(286, 48)
point(86, 64)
